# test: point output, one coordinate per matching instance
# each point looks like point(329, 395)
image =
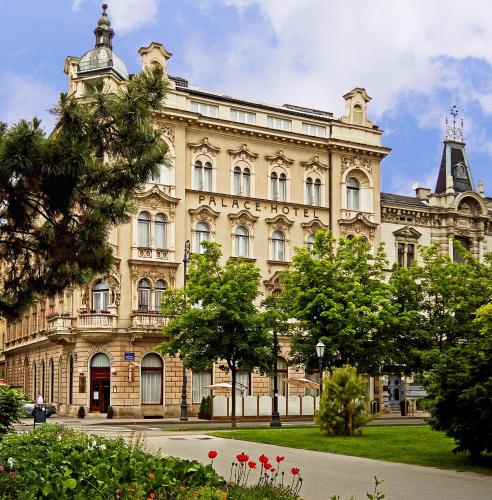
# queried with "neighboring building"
point(260, 180)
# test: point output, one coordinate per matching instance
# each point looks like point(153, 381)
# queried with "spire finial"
point(104, 33)
point(454, 131)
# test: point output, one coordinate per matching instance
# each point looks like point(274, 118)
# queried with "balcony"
point(163, 254)
point(147, 321)
point(96, 326)
point(59, 328)
point(349, 214)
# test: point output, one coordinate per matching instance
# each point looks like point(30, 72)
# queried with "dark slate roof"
point(455, 165)
point(402, 200)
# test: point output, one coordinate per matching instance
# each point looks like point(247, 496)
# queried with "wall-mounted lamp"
point(81, 372)
point(115, 389)
point(113, 371)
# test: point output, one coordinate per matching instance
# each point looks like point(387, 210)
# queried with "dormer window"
point(358, 115)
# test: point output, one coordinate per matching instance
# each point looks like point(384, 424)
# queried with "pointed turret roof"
point(454, 173)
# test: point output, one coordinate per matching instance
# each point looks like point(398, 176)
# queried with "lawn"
point(417, 445)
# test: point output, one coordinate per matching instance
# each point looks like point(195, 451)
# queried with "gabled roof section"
point(402, 200)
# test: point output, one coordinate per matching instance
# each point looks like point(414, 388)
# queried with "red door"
point(100, 393)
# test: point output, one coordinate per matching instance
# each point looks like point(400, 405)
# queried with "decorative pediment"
point(279, 160)
point(280, 219)
point(243, 218)
point(243, 153)
point(407, 233)
point(350, 161)
point(359, 225)
point(314, 165)
point(154, 198)
point(273, 283)
point(203, 214)
point(204, 147)
point(313, 225)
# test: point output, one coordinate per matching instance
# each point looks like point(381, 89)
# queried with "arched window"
point(51, 391)
point(317, 193)
point(310, 241)
point(198, 175)
point(274, 185)
point(143, 295)
point(246, 182)
point(282, 188)
point(237, 180)
point(100, 295)
point(42, 382)
point(358, 114)
point(34, 380)
point(59, 395)
point(309, 191)
point(160, 286)
point(151, 379)
point(143, 229)
point(207, 178)
point(278, 246)
point(202, 233)
point(100, 360)
point(241, 242)
point(160, 231)
point(353, 188)
point(70, 379)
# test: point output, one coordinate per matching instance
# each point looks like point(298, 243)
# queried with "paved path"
point(326, 474)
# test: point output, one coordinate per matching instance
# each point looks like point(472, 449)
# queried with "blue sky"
point(416, 59)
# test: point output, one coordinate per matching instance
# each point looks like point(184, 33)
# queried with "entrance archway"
point(100, 383)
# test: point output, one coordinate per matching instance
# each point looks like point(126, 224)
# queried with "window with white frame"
point(160, 286)
point(241, 242)
point(309, 191)
point(243, 117)
point(199, 381)
point(278, 186)
point(279, 123)
point(317, 192)
point(205, 109)
point(160, 227)
point(310, 241)
point(143, 292)
point(202, 233)
point(144, 229)
point(353, 191)
point(243, 383)
point(151, 383)
point(314, 130)
point(278, 246)
point(242, 181)
point(100, 295)
point(203, 176)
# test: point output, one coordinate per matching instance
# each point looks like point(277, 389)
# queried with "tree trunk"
point(233, 394)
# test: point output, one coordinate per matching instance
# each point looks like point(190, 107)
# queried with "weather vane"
point(454, 131)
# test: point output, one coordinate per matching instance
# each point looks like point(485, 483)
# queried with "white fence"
point(262, 406)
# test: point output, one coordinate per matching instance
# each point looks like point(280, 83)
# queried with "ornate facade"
point(257, 178)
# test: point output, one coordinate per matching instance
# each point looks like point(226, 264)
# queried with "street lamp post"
point(275, 414)
point(320, 352)
point(184, 404)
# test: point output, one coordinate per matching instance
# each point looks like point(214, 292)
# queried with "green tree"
point(342, 409)
point(60, 195)
point(337, 293)
point(11, 403)
point(215, 319)
point(459, 388)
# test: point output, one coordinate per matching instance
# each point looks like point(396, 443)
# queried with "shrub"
point(56, 462)
point(343, 407)
point(81, 412)
point(109, 412)
point(11, 403)
point(205, 411)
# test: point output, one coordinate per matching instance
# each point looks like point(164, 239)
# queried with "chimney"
point(480, 189)
point(422, 193)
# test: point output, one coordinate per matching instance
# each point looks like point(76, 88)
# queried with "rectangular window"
point(279, 124)
point(410, 254)
point(198, 383)
point(406, 254)
point(243, 117)
point(314, 130)
point(205, 109)
point(243, 383)
point(401, 254)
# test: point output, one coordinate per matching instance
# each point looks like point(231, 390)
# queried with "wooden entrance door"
point(100, 385)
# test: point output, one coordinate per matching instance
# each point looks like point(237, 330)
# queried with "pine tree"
point(60, 195)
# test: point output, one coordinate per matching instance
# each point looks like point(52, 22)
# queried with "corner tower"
point(454, 174)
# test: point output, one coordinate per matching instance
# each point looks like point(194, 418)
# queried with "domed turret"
point(102, 58)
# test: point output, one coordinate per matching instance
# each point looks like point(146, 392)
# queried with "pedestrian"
point(39, 399)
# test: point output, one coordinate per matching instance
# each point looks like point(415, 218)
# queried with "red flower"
point(212, 454)
point(263, 459)
point(268, 465)
point(272, 470)
point(280, 459)
point(242, 457)
point(152, 475)
point(294, 470)
point(252, 465)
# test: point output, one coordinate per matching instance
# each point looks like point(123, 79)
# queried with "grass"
point(418, 445)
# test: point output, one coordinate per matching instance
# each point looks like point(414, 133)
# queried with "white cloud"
point(321, 49)
point(128, 15)
point(26, 96)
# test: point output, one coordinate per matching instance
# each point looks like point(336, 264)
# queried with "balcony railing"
point(153, 253)
point(147, 319)
point(57, 323)
point(98, 320)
